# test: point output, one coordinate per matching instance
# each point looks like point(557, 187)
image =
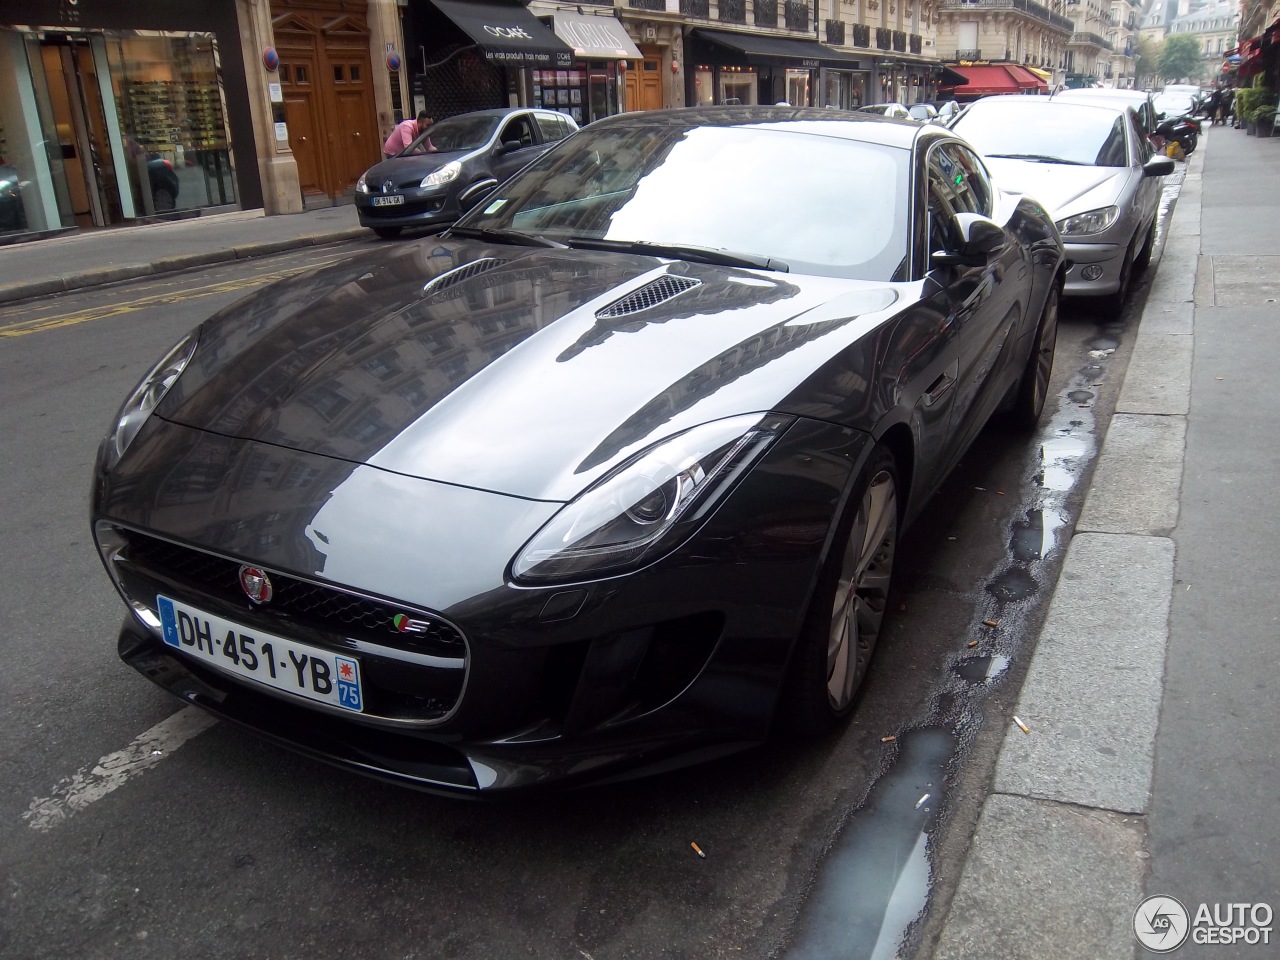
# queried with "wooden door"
point(644, 81)
point(302, 116)
point(355, 134)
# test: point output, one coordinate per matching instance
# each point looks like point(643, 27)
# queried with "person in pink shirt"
point(404, 134)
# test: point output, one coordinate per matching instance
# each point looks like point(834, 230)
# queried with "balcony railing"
point(1029, 7)
point(884, 38)
point(657, 5)
point(797, 15)
point(696, 8)
point(1089, 39)
point(861, 35)
point(900, 41)
point(835, 32)
point(766, 13)
point(969, 54)
point(733, 11)
point(915, 43)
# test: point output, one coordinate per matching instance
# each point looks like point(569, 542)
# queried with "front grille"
point(647, 297)
point(321, 607)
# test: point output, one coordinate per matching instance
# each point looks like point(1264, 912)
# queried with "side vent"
point(459, 274)
point(647, 297)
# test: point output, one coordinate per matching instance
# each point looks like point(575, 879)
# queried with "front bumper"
point(1109, 257)
point(420, 209)
point(566, 684)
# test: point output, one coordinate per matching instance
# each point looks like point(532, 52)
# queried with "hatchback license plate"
point(277, 662)
point(393, 201)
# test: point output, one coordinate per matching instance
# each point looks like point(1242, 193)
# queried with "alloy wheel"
point(862, 590)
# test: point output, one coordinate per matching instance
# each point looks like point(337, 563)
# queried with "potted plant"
point(1264, 119)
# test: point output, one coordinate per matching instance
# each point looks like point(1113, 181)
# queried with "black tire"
point(1148, 247)
point(1113, 303)
point(1033, 387)
point(830, 660)
point(163, 199)
point(388, 233)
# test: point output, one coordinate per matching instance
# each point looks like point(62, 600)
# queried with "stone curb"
point(1055, 868)
point(97, 276)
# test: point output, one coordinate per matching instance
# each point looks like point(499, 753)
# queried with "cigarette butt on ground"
point(972, 644)
point(888, 739)
point(697, 849)
point(1022, 726)
point(991, 623)
point(921, 801)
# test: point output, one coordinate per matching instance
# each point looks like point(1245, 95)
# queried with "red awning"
point(1026, 79)
point(995, 78)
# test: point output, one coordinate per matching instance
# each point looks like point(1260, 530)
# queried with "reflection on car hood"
point(509, 374)
point(1062, 189)
point(415, 165)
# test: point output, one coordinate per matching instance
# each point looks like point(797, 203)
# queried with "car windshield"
point(456, 133)
point(1046, 131)
point(816, 203)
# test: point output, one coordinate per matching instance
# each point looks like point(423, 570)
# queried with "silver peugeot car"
point(1092, 168)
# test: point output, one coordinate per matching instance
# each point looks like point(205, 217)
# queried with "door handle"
point(939, 388)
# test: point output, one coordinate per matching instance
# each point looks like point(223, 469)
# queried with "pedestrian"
point(405, 132)
point(1228, 106)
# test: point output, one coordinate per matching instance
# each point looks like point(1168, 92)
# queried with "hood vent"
point(458, 274)
point(650, 295)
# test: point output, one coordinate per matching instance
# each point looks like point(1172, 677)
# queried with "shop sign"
point(809, 64)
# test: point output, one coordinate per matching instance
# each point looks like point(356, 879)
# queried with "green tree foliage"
point(1148, 66)
point(1180, 58)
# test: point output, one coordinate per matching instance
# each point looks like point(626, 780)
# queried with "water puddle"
point(1036, 536)
point(986, 668)
point(875, 880)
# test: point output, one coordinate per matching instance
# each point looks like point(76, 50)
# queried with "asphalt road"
point(131, 829)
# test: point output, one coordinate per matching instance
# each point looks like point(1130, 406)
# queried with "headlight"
point(1087, 224)
point(648, 506)
point(446, 173)
point(146, 397)
point(362, 185)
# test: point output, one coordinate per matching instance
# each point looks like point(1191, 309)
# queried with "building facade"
point(125, 111)
point(1022, 33)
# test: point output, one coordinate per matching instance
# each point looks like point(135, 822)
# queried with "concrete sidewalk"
point(1150, 766)
point(93, 257)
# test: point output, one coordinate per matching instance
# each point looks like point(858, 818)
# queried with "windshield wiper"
point(504, 236)
point(1037, 157)
point(680, 251)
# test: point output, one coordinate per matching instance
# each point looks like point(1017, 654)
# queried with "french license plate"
point(392, 201)
point(275, 661)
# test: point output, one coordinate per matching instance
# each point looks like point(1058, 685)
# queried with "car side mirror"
point(981, 238)
point(1158, 167)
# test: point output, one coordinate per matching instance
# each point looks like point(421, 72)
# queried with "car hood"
point(1062, 189)
point(523, 371)
point(415, 166)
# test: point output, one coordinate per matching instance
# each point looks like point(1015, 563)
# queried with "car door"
point(985, 299)
point(518, 143)
point(1147, 190)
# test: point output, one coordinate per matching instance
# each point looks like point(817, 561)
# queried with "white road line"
point(74, 793)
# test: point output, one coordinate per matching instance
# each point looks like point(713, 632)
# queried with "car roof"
point(1057, 100)
point(823, 121)
point(1103, 93)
